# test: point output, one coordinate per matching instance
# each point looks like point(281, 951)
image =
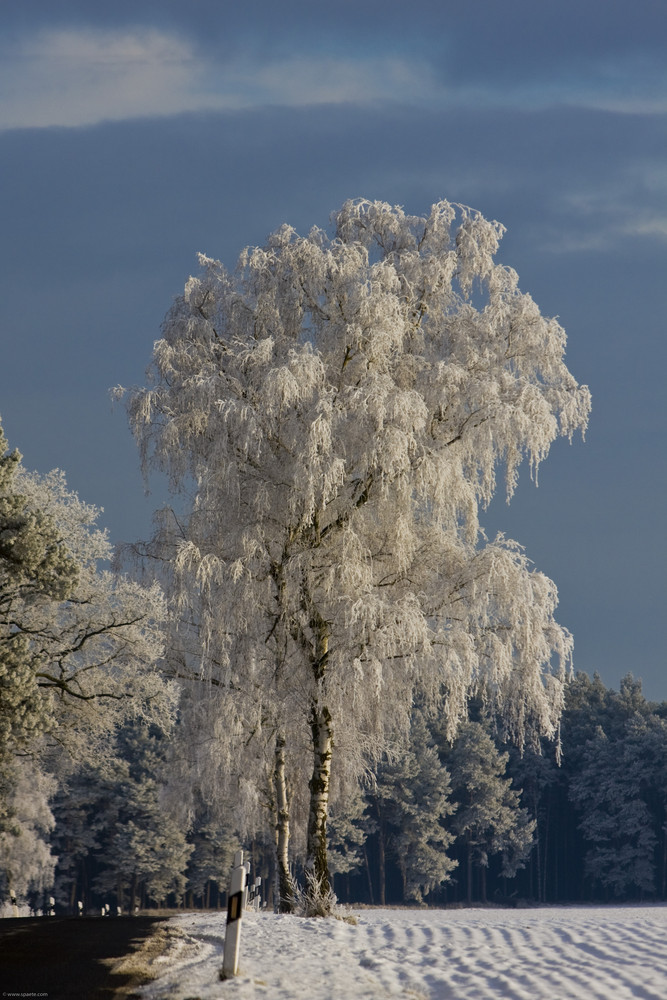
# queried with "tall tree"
point(347, 831)
point(489, 819)
point(26, 861)
point(410, 803)
point(79, 645)
point(145, 850)
point(213, 850)
point(37, 571)
point(86, 807)
point(537, 772)
point(612, 791)
point(341, 406)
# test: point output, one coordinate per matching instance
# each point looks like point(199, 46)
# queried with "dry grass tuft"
point(167, 944)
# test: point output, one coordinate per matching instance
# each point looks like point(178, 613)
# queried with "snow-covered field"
point(555, 953)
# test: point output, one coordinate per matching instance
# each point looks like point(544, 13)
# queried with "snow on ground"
point(547, 953)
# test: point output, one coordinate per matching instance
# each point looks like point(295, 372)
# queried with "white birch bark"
point(320, 781)
point(284, 884)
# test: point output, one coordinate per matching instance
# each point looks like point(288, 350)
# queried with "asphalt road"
point(60, 958)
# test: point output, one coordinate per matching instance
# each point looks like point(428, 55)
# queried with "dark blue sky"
point(134, 134)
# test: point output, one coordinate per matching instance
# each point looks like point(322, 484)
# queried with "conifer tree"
point(213, 850)
point(489, 819)
point(26, 861)
point(37, 570)
point(410, 804)
point(537, 772)
point(610, 791)
point(347, 831)
point(147, 851)
point(79, 645)
point(85, 807)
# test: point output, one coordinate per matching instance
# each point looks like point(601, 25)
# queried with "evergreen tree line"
point(582, 822)
point(435, 822)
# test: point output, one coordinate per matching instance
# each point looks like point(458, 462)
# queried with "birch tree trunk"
point(316, 856)
point(285, 888)
point(321, 727)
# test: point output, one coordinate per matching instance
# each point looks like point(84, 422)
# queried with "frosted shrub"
point(315, 900)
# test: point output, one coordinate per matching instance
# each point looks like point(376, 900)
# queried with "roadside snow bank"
point(550, 953)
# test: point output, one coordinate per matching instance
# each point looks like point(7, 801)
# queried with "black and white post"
point(235, 906)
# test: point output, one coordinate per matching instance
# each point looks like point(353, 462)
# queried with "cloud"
point(79, 77)
point(625, 205)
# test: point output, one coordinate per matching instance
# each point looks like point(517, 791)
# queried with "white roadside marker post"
point(246, 888)
point(235, 905)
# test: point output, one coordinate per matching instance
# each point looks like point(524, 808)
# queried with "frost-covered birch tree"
point(341, 407)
